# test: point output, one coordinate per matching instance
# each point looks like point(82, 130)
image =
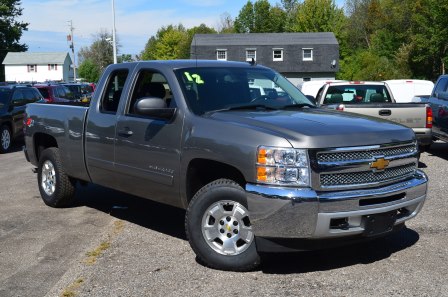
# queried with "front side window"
point(209, 89)
point(221, 55)
point(112, 94)
point(150, 83)
point(251, 54)
point(307, 54)
point(277, 55)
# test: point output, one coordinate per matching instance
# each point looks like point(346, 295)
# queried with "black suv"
point(13, 100)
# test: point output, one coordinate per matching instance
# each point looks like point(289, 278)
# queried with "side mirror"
point(154, 107)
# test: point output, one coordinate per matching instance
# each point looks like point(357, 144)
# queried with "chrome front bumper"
point(282, 212)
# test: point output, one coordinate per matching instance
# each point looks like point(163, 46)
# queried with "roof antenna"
point(253, 63)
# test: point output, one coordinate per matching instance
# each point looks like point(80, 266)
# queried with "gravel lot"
point(112, 244)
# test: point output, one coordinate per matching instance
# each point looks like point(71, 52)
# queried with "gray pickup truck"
point(256, 165)
point(375, 99)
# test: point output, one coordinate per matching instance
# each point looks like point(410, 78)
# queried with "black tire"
point(55, 187)
point(229, 194)
point(5, 139)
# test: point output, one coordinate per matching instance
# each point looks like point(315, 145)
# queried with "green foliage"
point(260, 17)
point(172, 42)
point(89, 71)
point(10, 30)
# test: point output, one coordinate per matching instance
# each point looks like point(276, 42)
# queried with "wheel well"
point(9, 125)
point(201, 172)
point(42, 142)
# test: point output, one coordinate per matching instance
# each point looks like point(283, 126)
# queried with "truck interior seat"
point(377, 98)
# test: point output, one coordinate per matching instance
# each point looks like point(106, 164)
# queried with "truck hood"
point(319, 128)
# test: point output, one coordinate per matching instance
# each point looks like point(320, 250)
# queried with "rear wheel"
point(56, 188)
point(5, 139)
point(218, 227)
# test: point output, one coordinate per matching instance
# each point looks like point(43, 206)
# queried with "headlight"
point(285, 166)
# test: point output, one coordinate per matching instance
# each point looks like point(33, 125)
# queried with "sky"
point(135, 20)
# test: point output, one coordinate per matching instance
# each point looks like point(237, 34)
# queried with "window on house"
point(32, 68)
point(221, 54)
point(52, 67)
point(251, 54)
point(307, 54)
point(277, 54)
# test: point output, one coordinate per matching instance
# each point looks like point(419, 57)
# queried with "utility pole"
point(114, 37)
point(72, 46)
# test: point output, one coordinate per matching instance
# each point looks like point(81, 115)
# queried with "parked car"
point(376, 99)
point(54, 93)
point(13, 100)
point(255, 174)
point(81, 92)
point(438, 101)
point(406, 90)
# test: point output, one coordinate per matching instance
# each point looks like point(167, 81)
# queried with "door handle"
point(126, 132)
point(385, 112)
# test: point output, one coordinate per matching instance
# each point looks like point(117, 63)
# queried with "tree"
point(318, 16)
point(10, 30)
point(226, 24)
point(260, 17)
point(89, 71)
point(169, 43)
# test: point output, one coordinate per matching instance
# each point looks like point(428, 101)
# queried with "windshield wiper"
point(241, 107)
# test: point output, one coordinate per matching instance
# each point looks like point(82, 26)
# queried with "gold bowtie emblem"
point(379, 164)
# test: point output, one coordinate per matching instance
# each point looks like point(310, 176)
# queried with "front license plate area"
point(377, 224)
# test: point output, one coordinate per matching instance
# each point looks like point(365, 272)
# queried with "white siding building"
point(38, 67)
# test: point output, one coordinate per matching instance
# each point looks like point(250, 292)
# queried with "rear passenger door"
point(100, 128)
point(147, 150)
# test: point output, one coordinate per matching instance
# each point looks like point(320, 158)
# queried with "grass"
point(71, 290)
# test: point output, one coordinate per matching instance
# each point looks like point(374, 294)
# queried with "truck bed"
point(57, 119)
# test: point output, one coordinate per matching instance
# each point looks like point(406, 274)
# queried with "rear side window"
point(357, 94)
point(114, 88)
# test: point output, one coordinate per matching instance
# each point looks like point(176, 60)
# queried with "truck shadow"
point(329, 259)
point(143, 212)
point(439, 149)
point(170, 221)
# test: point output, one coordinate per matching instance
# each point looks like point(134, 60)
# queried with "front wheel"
point(55, 187)
point(218, 227)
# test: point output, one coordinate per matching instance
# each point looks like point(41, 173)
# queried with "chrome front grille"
point(366, 177)
point(366, 154)
point(354, 167)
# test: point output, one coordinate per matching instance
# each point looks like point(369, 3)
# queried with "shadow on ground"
point(170, 221)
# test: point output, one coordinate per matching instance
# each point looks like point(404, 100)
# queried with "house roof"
point(26, 58)
point(255, 39)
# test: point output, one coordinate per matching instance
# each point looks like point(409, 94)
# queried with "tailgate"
point(412, 115)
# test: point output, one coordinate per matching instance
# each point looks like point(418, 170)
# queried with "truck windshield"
point(219, 88)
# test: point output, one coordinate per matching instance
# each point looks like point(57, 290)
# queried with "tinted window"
point(4, 96)
point(31, 95)
point(45, 93)
point(112, 93)
point(19, 98)
point(441, 85)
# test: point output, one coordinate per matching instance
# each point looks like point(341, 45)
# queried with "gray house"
point(298, 56)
